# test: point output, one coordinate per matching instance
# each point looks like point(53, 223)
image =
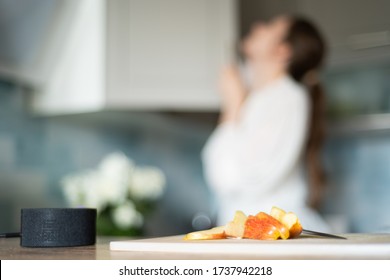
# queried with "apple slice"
point(236, 228)
point(277, 213)
point(210, 234)
point(283, 230)
point(290, 220)
point(265, 227)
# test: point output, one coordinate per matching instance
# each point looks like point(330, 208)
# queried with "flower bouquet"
point(122, 193)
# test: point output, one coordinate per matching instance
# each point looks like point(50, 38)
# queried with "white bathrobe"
point(256, 162)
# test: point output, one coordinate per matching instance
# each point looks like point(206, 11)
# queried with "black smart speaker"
point(58, 227)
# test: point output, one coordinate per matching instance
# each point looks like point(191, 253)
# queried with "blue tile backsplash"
point(359, 183)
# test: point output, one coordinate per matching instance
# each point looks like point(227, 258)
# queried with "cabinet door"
point(166, 54)
point(357, 31)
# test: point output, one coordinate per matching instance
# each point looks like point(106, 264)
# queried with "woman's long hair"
point(308, 50)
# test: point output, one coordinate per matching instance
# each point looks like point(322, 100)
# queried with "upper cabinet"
point(357, 31)
point(140, 54)
point(167, 53)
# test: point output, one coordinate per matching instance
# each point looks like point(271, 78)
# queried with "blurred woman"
point(266, 149)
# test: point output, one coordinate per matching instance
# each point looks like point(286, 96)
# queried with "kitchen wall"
point(358, 148)
point(35, 152)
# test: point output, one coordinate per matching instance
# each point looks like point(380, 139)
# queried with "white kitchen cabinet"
point(167, 53)
point(141, 54)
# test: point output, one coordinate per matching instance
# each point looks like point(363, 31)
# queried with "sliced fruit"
point(236, 227)
point(260, 229)
point(264, 227)
point(278, 224)
point(290, 220)
point(277, 213)
point(284, 232)
point(210, 234)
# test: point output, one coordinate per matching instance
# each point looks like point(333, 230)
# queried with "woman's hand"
point(233, 93)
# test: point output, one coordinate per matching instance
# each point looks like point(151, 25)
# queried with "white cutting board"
point(357, 246)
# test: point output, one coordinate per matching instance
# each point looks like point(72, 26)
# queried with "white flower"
point(126, 216)
point(117, 167)
point(147, 183)
point(114, 170)
point(93, 189)
point(110, 185)
point(110, 191)
point(82, 190)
